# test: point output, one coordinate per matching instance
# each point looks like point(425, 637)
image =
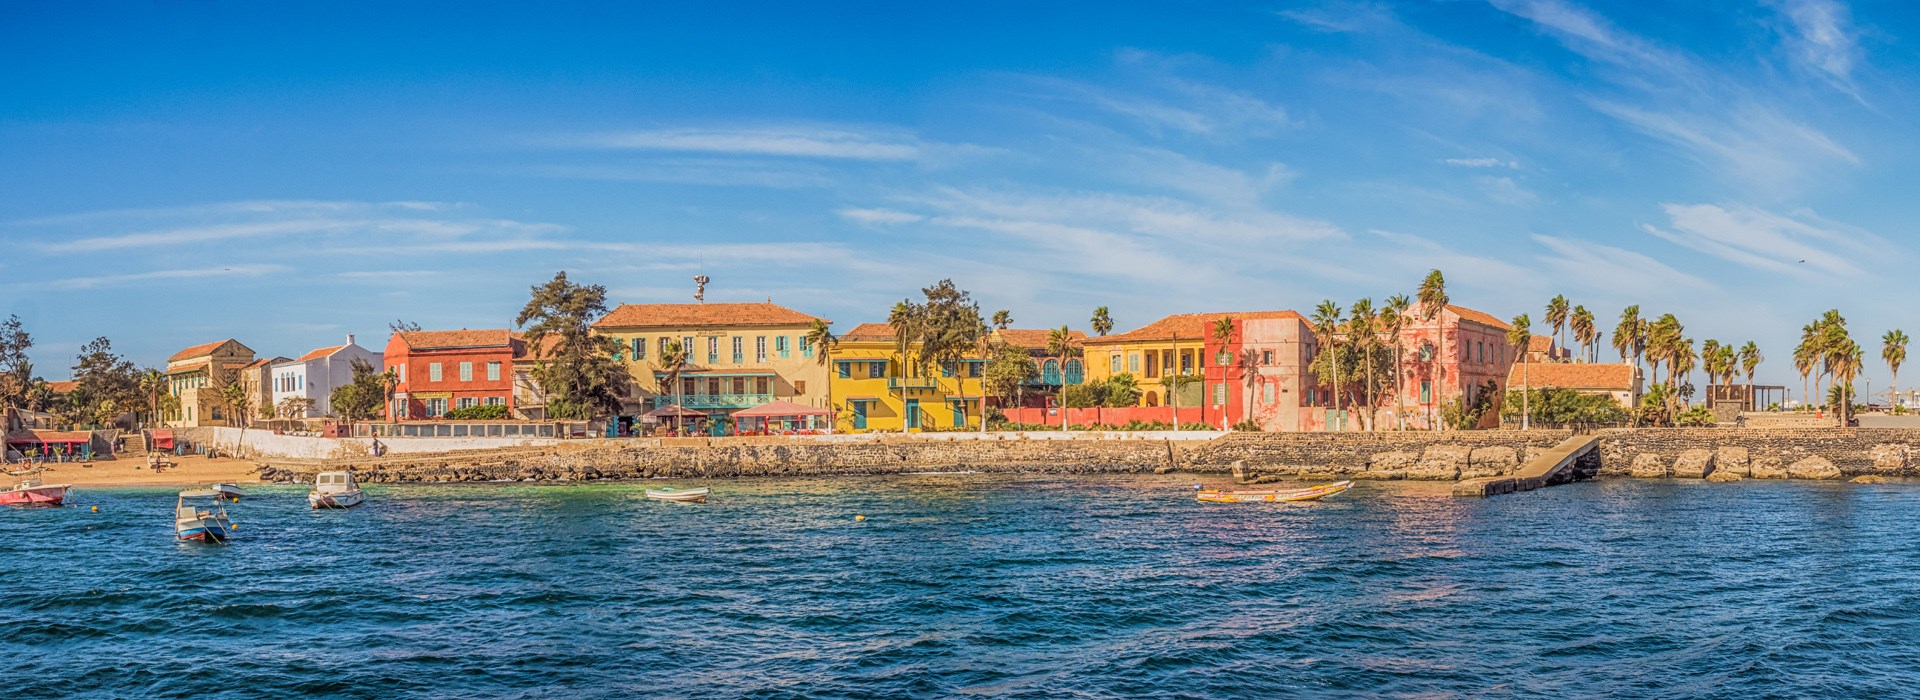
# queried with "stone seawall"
point(1726, 454)
point(1440, 456)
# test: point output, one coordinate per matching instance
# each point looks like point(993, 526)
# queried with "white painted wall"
point(263, 443)
point(317, 378)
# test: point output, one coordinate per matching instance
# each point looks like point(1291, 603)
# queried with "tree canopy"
point(574, 366)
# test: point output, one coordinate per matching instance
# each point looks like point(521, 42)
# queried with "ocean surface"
point(974, 585)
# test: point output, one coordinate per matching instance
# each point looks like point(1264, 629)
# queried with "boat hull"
point(51, 495)
point(679, 496)
point(205, 530)
point(335, 501)
point(229, 491)
point(1290, 496)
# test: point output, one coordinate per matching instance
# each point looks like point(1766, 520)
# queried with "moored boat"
point(1313, 493)
point(230, 492)
point(201, 516)
point(334, 490)
point(28, 491)
point(698, 495)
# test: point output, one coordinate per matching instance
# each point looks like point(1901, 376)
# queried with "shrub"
point(478, 413)
point(1696, 417)
point(1247, 426)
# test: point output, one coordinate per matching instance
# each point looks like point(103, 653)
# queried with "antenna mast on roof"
point(700, 288)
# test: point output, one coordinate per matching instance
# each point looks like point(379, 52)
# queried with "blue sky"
point(177, 172)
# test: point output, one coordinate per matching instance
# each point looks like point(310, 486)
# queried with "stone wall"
point(1803, 453)
point(1416, 455)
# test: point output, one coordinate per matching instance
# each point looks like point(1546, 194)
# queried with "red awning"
point(162, 439)
point(780, 409)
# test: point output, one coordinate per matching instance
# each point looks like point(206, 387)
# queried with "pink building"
point(1451, 357)
point(1260, 374)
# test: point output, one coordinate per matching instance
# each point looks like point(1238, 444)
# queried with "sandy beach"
point(134, 472)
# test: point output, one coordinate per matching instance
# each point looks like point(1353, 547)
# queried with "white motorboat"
point(230, 492)
point(334, 490)
point(698, 495)
point(199, 515)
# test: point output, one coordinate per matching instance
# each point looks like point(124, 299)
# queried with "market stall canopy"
point(780, 409)
point(50, 437)
point(674, 411)
point(162, 439)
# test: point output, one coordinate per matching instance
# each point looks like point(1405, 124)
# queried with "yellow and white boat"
point(1313, 493)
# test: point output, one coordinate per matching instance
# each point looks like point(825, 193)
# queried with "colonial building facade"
point(196, 377)
point(440, 371)
point(315, 375)
point(738, 355)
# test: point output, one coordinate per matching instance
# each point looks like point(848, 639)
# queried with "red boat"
point(28, 491)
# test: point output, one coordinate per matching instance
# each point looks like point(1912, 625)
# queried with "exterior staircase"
point(136, 444)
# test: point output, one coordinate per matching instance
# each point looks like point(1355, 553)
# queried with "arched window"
point(1076, 373)
point(1050, 372)
point(1153, 398)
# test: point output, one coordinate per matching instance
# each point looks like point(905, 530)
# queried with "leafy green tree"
point(16, 370)
point(360, 398)
point(1563, 407)
point(574, 365)
point(672, 362)
point(1008, 373)
point(106, 384)
point(1393, 322)
point(1002, 319)
point(1461, 414)
point(1122, 390)
point(1060, 345)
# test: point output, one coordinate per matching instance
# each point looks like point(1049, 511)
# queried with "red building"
point(443, 370)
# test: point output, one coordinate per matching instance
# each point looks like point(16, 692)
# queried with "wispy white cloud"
point(1504, 190)
point(874, 217)
point(1821, 40)
point(239, 221)
point(1343, 17)
point(1753, 144)
point(786, 141)
point(1162, 99)
point(1804, 245)
point(717, 172)
point(1597, 266)
point(1592, 36)
point(1483, 163)
point(137, 278)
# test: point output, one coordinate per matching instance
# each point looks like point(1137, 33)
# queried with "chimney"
point(349, 338)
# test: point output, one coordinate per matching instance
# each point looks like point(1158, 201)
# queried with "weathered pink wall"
point(1112, 416)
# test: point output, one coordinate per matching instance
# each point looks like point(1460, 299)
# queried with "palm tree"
point(1557, 317)
point(1518, 333)
point(1433, 300)
point(1326, 323)
point(820, 337)
point(1805, 356)
point(1681, 362)
point(1584, 331)
point(1060, 345)
point(1845, 363)
point(1102, 322)
point(1393, 320)
point(1710, 357)
point(1893, 349)
point(1222, 333)
point(1750, 359)
point(1002, 319)
point(153, 387)
point(905, 319)
point(1360, 332)
point(670, 363)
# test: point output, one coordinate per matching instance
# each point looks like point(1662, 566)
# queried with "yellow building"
point(197, 374)
point(876, 391)
point(1171, 346)
point(739, 355)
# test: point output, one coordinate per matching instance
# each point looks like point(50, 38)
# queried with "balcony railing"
point(910, 383)
point(714, 400)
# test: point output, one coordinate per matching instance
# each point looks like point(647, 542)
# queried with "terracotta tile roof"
point(1540, 343)
point(692, 315)
point(319, 353)
point(1037, 339)
point(868, 333)
point(63, 387)
point(1187, 326)
point(521, 350)
point(1480, 317)
point(1569, 375)
point(438, 340)
point(264, 361)
point(198, 350)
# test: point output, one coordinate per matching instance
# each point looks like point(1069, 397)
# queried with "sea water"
point(974, 585)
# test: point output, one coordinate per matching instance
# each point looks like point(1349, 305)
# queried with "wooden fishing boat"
point(28, 491)
point(1313, 493)
point(698, 495)
point(231, 492)
point(334, 490)
point(201, 516)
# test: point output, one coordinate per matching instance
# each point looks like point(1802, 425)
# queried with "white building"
point(316, 374)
